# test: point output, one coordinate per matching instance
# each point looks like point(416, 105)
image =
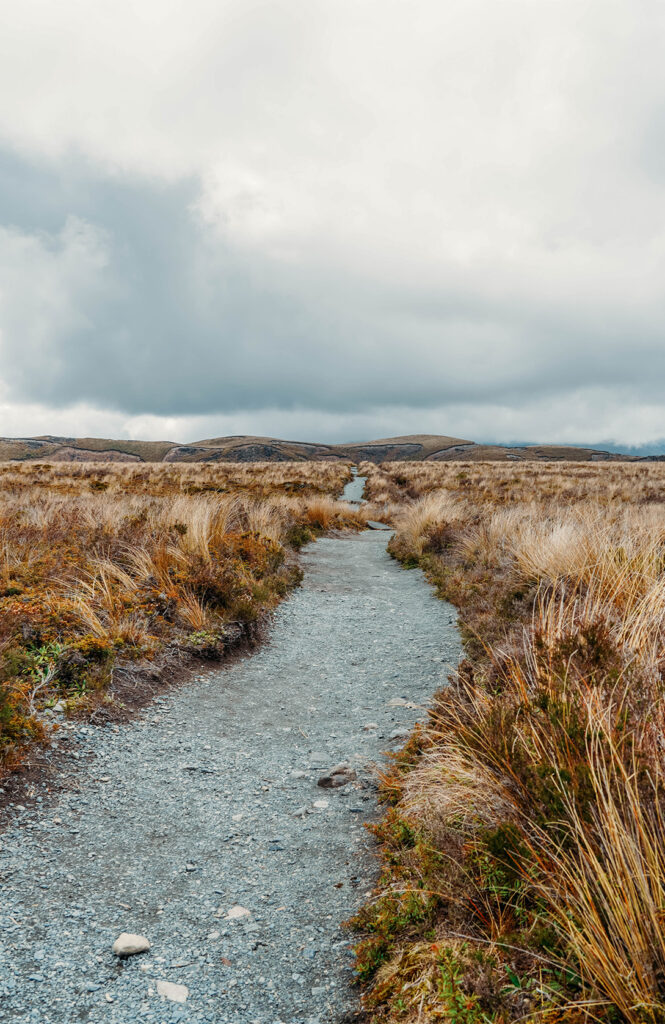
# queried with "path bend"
point(208, 801)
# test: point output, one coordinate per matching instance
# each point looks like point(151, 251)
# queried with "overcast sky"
point(333, 219)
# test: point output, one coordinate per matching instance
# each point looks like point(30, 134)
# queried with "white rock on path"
point(169, 990)
point(235, 913)
point(128, 944)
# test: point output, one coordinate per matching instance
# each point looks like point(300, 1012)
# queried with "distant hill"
point(244, 448)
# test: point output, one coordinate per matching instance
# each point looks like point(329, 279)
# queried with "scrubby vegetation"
point(257, 479)
point(106, 569)
point(524, 848)
point(524, 841)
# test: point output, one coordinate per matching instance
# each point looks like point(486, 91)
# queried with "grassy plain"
point(109, 568)
point(524, 843)
point(524, 848)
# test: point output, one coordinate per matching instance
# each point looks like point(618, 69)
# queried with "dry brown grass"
point(111, 565)
point(541, 774)
point(496, 484)
point(260, 479)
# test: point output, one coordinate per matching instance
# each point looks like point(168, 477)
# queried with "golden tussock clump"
point(535, 794)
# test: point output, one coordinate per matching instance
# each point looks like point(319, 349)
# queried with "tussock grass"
point(539, 778)
point(119, 565)
point(260, 479)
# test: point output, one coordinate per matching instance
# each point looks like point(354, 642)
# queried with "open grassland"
point(109, 573)
point(489, 486)
point(524, 847)
point(257, 479)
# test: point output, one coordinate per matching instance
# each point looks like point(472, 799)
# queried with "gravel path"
point(209, 801)
point(354, 489)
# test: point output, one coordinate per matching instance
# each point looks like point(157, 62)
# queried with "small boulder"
point(169, 990)
point(338, 776)
point(128, 944)
point(370, 726)
point(333, 781)
point(399, 734)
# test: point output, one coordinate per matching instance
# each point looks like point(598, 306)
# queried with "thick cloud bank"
point(333, 220)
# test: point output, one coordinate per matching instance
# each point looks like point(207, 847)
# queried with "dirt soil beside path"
point(209, 802)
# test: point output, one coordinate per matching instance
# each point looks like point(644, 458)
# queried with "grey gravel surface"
point(355, 488)
point(209, 801)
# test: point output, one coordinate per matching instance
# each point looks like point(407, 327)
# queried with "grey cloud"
point(334, 215)
point(123, 298)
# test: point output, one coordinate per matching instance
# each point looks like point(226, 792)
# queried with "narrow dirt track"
point(209, 801)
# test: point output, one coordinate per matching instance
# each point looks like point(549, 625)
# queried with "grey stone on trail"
point(341, 775)
point(373, 525)
point(359, 633)
point(336, 781)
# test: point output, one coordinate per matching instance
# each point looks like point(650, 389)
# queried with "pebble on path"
point(128, 944)
point(169, 990)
